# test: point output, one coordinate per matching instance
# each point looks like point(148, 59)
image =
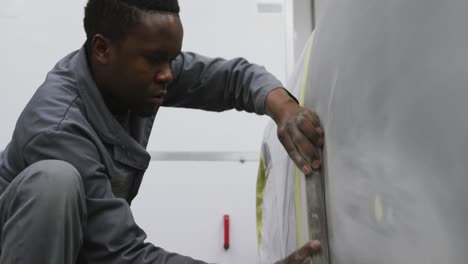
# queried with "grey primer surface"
point(389, 80)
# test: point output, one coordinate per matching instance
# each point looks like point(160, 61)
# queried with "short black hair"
point(113, 18)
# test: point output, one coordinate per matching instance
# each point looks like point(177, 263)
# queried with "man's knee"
point(51, 179)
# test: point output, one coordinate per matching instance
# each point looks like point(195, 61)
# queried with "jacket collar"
point(127, 149)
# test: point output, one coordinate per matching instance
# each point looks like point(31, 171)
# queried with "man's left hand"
point(303, 254)
point(299, 130)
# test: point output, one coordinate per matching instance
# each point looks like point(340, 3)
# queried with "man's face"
point(140, 65)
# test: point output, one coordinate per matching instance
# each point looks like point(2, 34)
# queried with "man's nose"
point(164, 74)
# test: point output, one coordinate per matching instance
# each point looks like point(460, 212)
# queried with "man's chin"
point(146, 111)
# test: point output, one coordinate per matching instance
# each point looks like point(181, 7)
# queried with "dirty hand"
point(298, 130)
point(303, 254)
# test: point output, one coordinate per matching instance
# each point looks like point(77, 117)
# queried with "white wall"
point(180, 204)
point(34, 36)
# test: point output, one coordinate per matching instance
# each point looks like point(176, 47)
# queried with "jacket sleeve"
point(217, 84)
point(111, 235)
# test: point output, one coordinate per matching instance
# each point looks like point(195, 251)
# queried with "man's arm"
point(217, 85)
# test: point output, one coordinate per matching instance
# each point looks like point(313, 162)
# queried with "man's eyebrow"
point(156, 52)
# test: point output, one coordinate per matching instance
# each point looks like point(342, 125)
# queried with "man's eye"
point(154, 60)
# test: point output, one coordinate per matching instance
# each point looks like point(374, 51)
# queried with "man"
point(77, 156)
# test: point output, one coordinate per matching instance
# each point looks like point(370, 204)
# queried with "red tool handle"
point(226, 232)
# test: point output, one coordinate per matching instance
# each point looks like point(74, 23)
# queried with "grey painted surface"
point(389, 81)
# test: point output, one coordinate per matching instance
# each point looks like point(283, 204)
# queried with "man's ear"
point(101, 48)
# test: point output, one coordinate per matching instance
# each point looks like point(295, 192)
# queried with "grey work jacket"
point(67, 119)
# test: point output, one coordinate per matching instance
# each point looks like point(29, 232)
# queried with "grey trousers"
point(42, 215)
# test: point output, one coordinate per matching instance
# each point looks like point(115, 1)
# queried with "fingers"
point(311, 126)
point(305, 147)
point(288, 143)
point(311, 116)
point(301, 136)
point(310, 129)
point(303, 254)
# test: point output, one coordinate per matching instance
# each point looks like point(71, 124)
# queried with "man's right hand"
point(301, 255)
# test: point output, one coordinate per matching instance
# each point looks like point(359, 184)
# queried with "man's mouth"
point(158, 99)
